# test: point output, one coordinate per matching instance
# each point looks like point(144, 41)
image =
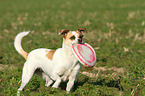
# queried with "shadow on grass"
point(103, 60)
point(112, 83)
point(76, 84)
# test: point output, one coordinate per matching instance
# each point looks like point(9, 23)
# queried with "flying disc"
point(85, 54)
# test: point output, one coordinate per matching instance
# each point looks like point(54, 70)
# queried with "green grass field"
point(115, 28)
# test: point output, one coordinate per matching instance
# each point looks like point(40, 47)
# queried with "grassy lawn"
point(115, 28)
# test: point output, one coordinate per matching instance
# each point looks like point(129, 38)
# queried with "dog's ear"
point(63, 32)
point(81, 30)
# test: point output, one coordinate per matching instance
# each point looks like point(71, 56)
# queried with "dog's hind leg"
point(49, 82)
point(28, 71)
point(41, 74)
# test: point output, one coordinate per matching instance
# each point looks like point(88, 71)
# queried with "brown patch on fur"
point(81, 31)
point(50, 54)
point(69, 34)
point(63, 32)
point(23, 53)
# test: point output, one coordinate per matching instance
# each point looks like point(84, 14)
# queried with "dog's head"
point(72, 37)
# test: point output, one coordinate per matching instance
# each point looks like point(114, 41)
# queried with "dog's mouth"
point(80, 41)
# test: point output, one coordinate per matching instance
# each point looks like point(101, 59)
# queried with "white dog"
point(55, 65)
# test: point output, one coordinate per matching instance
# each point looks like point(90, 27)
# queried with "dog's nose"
point(80, 40)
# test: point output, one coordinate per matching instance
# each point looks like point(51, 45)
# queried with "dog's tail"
point(17, 44)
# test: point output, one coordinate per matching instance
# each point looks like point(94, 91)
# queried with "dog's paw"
point(18, 92)
point(49, 83)
point(67, 92)
point(64, 78)
point(54, 86)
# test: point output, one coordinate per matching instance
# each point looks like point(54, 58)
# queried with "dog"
point(59, 65)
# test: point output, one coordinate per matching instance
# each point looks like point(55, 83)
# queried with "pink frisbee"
point(85, 54)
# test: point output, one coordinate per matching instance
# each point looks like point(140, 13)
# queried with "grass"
point(116, 30)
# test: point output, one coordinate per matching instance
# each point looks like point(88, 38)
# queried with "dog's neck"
point(67, 49)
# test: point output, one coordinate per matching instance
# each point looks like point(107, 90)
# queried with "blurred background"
point(115, 29)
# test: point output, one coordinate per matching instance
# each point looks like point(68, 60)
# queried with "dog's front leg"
point(56, 77)
point(72, 77)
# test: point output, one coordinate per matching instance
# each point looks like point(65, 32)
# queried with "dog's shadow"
point(112, 83)
point(76, 85)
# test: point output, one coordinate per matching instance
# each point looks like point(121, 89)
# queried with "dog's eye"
point(72, 38)
point(81, 36)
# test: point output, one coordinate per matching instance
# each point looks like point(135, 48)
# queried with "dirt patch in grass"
point(118, 70)
point(3, 67)
point(115, 69)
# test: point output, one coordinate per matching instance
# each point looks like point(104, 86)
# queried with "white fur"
point(18, 39)
point(63, 65)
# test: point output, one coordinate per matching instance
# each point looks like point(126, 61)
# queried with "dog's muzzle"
point(80, 41)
